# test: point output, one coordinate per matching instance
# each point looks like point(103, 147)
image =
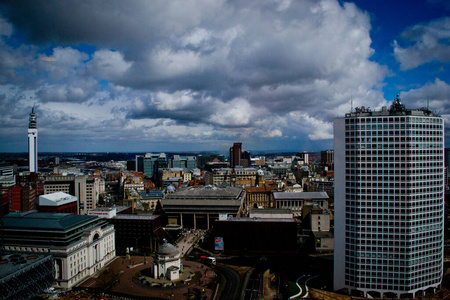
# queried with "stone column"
point(195, 222)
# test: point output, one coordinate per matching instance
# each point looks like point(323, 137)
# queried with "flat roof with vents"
point(56, 199)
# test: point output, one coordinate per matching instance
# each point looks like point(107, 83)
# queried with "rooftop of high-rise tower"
point(396, 109)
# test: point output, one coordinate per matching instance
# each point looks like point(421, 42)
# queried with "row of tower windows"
point(383, 120)
point(391, 146)
point(385, 239)
point(431, 157)
point(360, 186)
point(397, 171)
point(389, 257)
point(393, 126)
point(403, 287)
point(429, 212)
point(437, 166)
point(387, 267)
point(389, 153)
point(409, 177)
point(366, 180)
point(403, 215)
point(396, 135)
point(408, 259)
point(362, 221)
point(393, 194)
point(380, 277)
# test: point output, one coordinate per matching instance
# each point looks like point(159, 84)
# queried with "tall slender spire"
point(32, 143)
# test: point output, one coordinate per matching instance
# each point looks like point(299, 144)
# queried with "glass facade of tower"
point(392, 201)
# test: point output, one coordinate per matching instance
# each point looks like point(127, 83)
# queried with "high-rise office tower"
point(32, 143)
point(235, 155)
point(151, 163)
point(389, 201)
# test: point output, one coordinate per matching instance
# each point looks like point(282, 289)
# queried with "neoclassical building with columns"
point(80, 244)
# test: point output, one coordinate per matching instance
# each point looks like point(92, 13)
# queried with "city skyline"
point(200, 75)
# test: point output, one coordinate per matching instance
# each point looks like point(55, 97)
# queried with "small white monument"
point(167, 262)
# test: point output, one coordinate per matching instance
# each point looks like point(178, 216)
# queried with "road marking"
point(299, 287)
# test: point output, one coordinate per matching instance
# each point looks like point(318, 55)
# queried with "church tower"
point(32, 143)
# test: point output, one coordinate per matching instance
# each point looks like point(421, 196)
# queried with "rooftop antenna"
point(351, 105)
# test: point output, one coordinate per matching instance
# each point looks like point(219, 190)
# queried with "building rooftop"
point(12, 265)
point(257, 220)
point(396, 109)
point(270, 211)
point(121, 208)
point(136, 217)
point(322, 234)
point(206, 192)
point(50, 221)
point(102, 209)
point(260, 189)
point(56, 199)
point(300, 195)
point(152, 194)
point(167, 249)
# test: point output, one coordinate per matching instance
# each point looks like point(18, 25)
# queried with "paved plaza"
point(119, 277)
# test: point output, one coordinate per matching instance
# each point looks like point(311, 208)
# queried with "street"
point(190, 237)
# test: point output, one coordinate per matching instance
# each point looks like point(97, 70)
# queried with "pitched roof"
point(300, 195)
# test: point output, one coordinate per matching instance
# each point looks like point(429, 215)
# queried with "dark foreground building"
point(137, 231)
point(25, 276)
point(247, 235)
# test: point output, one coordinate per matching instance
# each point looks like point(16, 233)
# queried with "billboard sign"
point(218, 243)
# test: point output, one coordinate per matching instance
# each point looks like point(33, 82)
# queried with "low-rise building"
point(259, 197)
point(295, 201)
point(150, 198)
point(167, 263)
point(103, 212)
point(7, 177)
point(198, 207)
point(136, 231)
point(86, 189)
point(270, 214)
point(261, 235)
point(316, 223)
point(235, 177)
point(110, 212)
point(320, 185)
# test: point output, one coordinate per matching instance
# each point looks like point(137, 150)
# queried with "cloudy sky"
point(190, 75)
